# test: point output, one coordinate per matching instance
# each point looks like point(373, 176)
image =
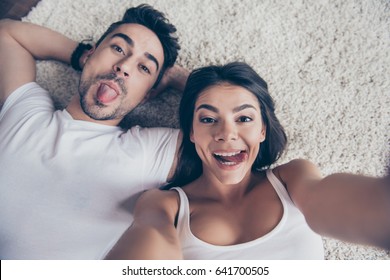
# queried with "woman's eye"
point(244, 119)
point(207, 120)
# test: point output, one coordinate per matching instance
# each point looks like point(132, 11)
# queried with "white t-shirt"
point(67, 187)
point(291, 239)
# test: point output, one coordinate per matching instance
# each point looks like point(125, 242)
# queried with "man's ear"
point(85, 56)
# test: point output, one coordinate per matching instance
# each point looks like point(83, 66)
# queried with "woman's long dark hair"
point(189, 165)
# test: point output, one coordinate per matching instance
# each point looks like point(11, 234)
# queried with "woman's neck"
point(209, 186)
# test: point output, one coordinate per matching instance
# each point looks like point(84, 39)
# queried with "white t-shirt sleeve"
point(24, 102)
point(158, 146)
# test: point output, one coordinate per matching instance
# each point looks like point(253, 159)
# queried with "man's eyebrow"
point(152, 58)
point(235, 109)
point(124, 37)
point(131, 43)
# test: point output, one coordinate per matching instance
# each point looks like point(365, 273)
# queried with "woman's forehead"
point(225, 93)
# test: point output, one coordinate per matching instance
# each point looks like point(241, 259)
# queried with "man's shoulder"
point(27, 97)
point(152, 133)
point(28, 90)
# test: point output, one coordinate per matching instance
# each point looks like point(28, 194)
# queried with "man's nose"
point(123, 68)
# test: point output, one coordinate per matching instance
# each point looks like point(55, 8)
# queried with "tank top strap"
point(183, 217)
point(279, 187)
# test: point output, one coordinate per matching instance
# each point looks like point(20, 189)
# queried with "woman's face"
point(227, 131)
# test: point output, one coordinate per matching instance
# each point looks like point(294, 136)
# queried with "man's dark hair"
point(157, 22)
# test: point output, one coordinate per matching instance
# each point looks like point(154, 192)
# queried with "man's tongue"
point(106, 94)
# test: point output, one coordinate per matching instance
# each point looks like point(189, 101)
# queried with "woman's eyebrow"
point(235, 109)
point(243, 107)
point(207, 107)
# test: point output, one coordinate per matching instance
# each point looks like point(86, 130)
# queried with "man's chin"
point(98, 114)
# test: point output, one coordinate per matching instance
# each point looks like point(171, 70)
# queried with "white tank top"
point(290, 239)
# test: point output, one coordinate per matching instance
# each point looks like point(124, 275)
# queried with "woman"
point(226, 203)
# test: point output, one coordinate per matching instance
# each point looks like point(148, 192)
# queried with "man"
point(68, 178)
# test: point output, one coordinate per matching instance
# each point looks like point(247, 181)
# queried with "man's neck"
point(77, 113)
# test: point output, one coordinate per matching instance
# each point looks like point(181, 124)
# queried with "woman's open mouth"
point(231, 158)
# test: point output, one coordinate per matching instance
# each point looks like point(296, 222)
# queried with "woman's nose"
point(226, 131)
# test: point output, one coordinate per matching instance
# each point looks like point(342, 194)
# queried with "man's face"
point(120, 72)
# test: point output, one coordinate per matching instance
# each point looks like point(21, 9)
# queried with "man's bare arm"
point(21, 44)
point(174, 77)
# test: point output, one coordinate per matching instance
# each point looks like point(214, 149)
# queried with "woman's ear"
point(263, 133)
point(192, 136)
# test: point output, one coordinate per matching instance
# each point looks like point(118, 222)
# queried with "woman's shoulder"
point(297, 171)
point(158, 193)
point(296, 167)
point(156, 199)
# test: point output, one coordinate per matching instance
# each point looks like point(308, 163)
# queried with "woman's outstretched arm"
point(153, 234)
point(349, 207)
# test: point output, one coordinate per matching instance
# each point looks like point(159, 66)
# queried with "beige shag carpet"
point(327, 63)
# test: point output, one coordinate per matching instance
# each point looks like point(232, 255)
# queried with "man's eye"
point(145, 69)
point(207, 120)
point(118, 49)
point(244, 119)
